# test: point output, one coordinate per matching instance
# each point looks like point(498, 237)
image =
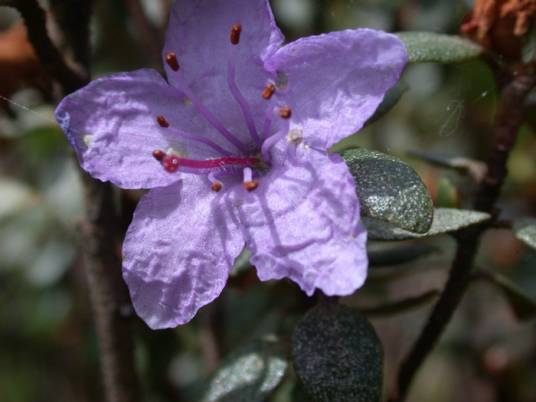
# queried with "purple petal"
point(178, 252)
point(199, 34)
point(336, 81)
point(302, 223)
point(111, 123)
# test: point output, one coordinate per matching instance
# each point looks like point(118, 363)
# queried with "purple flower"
point(233, 147)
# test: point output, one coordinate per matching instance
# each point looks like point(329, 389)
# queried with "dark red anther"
point(236, 30)
point(285, 112)
point(159, 155)
point(268, 92)
point(162, 121)
point(172, 62)
point(251, 185)
point(216, 186)
point(171, 163)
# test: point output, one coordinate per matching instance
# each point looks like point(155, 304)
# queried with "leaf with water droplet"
point(446, 220)
point(337, 355)
point(431, 47)
point(390, 190)
point(250, 374)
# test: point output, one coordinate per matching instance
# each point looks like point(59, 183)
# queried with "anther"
point(285, 112)
point(172, 62)
point(159, 155)
point(162, 121)
point(251, 185)
point(236, 30)
point(268, 91)
point(216, 186)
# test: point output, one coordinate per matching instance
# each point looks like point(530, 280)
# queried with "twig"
point(150, 37)
point(109, 296)
point(508, 121)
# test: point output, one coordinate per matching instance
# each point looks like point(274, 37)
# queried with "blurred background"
point(48, 348)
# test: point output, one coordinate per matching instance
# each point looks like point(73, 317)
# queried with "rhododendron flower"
point(233, 148)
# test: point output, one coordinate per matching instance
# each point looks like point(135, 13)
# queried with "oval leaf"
point(337, 355)
point(249, 375)
point(525, 230)
point(446, 220)
point(431, 47)
point(389, 101)
point(389, 190)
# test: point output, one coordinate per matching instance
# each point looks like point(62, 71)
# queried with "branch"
point(51, 59)
point(109, 295)
point(508, 121)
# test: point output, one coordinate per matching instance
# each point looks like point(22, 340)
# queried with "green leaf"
point(431, 47)
point(337, 355)
point(389, 101)
point(401, 306)
point(250, 374)
point(525, 230)
point(241, 263)
point(390, 190)
point(445, 220)
point(523, 306)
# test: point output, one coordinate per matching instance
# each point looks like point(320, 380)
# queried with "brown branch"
point(150, 37)
point(110, 300)
point(100, 234)
point(508, 121)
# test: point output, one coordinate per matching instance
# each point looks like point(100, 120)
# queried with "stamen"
point(285, 112)
point(244, 106)
point(159, 155)
point(236, 30)
point(216, 185)
point(172, 62)
point(249, 183)
point(268, 92)
point(162, 121)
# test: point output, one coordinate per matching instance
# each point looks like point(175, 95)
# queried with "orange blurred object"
point(19, 65)
point(500, 25)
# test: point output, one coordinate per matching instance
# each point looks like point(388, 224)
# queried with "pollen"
point(285, 112)
point(236, 30)
point(216, 186)
point(295, 136)
point(172, 62)
point(162, 121)
point(251, 185)
point(268, 92)
point(88, 139)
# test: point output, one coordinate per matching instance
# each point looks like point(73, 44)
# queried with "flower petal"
point(199, 34)
point(111, 123)
point(178, 252)
point(336, 81)
point(302, 222)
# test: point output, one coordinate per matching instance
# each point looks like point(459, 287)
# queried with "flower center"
point(239, 156)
